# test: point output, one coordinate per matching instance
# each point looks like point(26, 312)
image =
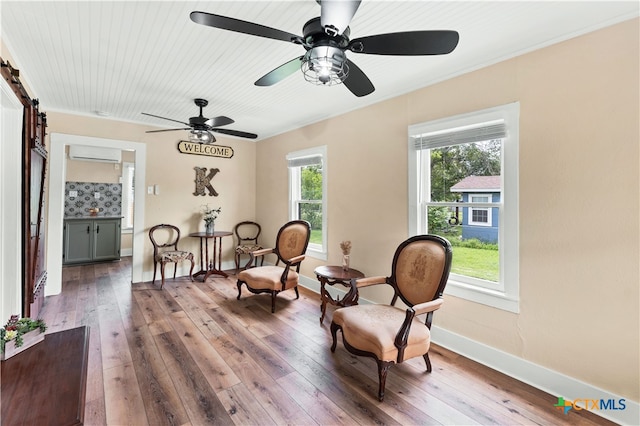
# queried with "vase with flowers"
point(20, 334)
point(209, 216)
point(345, 246)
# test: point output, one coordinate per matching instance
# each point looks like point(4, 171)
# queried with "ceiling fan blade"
point(235, 133)
point(280, 73)
point(335, 15)
point(165, 118)
point(357, 82)
point(239, 26)
point(437, 42)
point(219, 121)
point(166, 130)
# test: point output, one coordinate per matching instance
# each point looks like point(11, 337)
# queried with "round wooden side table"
point(336, 275)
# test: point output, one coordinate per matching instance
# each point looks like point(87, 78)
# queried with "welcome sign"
point(186, 147)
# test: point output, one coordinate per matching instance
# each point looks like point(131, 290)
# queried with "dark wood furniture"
point(247, 233)
point(291, 244)
point(213, 266)
point(336, 275)
point(388, 334)
point(45, 384)
point(165, 239)
point(34, 165)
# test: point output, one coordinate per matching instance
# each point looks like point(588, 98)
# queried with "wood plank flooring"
point(191, 354)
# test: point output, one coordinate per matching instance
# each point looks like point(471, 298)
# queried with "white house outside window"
point(307, 195)
point(463, 185)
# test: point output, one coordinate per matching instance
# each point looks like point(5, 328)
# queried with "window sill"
point(493, 298)
point(317, 254)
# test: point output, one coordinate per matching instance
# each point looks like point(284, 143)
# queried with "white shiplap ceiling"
point(128, 57)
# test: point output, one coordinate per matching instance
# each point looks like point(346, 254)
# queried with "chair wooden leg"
point(155, 268)
point(162, 274)
point(297, 294)
point(334, 332)
point(427, 361)
point(191, 270)
point(175, 270)
point(383, 369)
point(237, 262)
point(273, 301)
point(239, 284)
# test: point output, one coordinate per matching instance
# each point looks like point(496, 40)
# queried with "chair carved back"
point(164, 236)
point(420, 269)
point(292, 239)
point(247, 232)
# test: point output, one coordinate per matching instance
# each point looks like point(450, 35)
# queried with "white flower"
point(209, 214)
point(10, 335)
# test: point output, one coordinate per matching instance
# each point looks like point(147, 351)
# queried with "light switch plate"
point(96, 195)
point(73, 194)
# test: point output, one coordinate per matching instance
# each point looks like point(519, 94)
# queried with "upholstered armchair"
point(390, 334)
point(291, 244)
point(165, 250)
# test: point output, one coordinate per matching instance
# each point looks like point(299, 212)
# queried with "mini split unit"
point(95, 153)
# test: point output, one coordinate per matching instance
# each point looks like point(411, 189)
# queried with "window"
point(463, 185)
point(128, 187)
point(307, 195)
point(479, 216)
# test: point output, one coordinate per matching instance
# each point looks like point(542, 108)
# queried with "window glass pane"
point(480, 215)
point(471, 257)
point(312, 213)
point(458, 173)
point(311, 190)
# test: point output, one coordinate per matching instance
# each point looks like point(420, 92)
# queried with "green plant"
point(209, 214)
point(16, 327)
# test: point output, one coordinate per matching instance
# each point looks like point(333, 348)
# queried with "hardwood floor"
point(192, 354)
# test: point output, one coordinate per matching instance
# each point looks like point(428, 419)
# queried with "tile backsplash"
point(79, 197)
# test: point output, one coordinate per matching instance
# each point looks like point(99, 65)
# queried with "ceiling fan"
point(326, 40)
point(201, 127)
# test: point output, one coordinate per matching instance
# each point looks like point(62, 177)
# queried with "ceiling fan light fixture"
point(201, 136)
point(325, 66)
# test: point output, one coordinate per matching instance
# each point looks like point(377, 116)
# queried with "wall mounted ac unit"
point(95, 153)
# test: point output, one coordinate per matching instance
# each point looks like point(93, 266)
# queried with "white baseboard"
point(550, 381)
point(126, 252)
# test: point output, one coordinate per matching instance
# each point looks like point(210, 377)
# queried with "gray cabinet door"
point(106, 239)
point(78, 240)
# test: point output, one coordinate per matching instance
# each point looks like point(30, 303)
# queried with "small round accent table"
point(213, 265)
point(336, 275)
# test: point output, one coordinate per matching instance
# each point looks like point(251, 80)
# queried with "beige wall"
point(579, 196)
point(579, 200)
point(174, 173)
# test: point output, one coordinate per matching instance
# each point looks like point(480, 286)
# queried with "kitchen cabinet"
point(88, 240)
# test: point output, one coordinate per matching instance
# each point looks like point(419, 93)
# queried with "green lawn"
point(316, 236)
point(477, 263)
point(472, 262)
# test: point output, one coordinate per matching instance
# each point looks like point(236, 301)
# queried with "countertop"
point(92, 217)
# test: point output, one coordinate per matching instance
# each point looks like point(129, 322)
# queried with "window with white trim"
point(479, 216)
point(467, 165)
point(307, 195)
